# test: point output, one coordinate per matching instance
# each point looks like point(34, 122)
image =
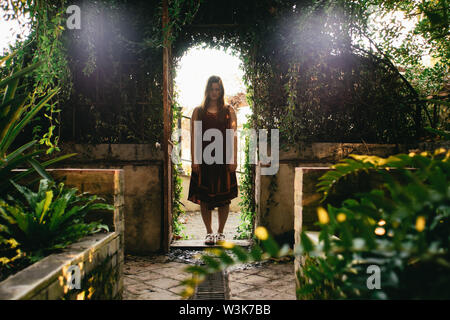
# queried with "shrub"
point(16, 111)
point(45, 221)
point(401, 227)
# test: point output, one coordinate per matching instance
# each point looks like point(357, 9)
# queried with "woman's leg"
point(206, 216)
point(223, 216)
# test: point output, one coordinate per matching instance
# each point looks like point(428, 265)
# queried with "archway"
point(192, 72)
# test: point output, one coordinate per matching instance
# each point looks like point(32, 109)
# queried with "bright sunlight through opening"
point(10, 30)
point(193, 71)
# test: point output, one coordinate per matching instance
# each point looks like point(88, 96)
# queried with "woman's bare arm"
point(234, 127)
point(193, 118)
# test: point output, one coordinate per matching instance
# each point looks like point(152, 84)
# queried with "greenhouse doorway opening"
point(192, 72)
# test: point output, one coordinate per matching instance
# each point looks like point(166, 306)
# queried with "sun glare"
point(197, 65)
point(193, 71)
point(10, 30)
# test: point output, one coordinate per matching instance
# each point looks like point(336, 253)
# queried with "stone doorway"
point(192, 71)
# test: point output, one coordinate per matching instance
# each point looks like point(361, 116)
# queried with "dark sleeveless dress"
point(214, 184)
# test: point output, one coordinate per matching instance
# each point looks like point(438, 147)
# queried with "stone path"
point(269, 281)
point(195, 229)
point(158, 278)
point(152, 278)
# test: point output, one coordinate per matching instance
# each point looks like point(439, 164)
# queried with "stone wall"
point(143, 197)
point(306, 199)
point(99, 257)
point(278, 218)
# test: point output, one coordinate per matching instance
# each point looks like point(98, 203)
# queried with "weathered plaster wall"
point(279, 218)
point(143, 196)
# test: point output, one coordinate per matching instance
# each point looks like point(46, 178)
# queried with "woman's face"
point(214, 92)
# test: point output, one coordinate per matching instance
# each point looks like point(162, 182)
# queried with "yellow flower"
point(323, 215)
point(91, 292)
point(261, 233)
point(4, 260)
point(227, 244)
point(197, 256)
point(12, 242)
point(412, 154)
point(341, 217)
point(214, 251)
point(81, 296)
point(439, 151)
point(189, 291)
point(420, 223)
point(424, 154)
point(447, 155)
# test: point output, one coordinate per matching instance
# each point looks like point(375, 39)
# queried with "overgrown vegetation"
point(247, 205)
point(46, 45)
point(38, 223)
point(402, 228)
point(17, 110)
point(317, 61)
point(316, 70)
point(177, 206)
point(53, 217)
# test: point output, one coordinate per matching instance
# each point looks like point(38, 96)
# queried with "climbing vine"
point(45, 43)
point(177, 206)
point(247, 205)
point(304, 72)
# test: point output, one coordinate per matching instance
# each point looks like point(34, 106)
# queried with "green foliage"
point(307, 75)
point(177, 210)
point(46, 44)
point(116, 65)
point(177, 205)
point(444, 134)
point(247, 205)
point(304, 71)
point(216, 259)
point(405, 47)
point(16, 112)
point(402, 227)
point(50, 218)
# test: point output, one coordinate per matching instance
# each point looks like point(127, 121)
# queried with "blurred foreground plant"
point(402, 228)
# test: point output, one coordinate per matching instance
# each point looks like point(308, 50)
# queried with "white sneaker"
point(220, 237)
point(209, 240)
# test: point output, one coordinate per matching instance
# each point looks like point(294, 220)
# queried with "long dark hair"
point(220, 101)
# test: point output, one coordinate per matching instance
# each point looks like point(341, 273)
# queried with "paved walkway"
point(268, 281)
point(158, 278)
point(195, 229)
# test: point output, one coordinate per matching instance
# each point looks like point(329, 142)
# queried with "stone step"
point(188, 244)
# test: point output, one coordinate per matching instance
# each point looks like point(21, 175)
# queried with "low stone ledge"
point(46, 279)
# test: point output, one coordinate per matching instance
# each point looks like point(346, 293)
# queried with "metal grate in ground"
point(212, 288)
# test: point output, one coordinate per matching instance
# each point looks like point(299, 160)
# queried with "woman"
point(214, 185)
